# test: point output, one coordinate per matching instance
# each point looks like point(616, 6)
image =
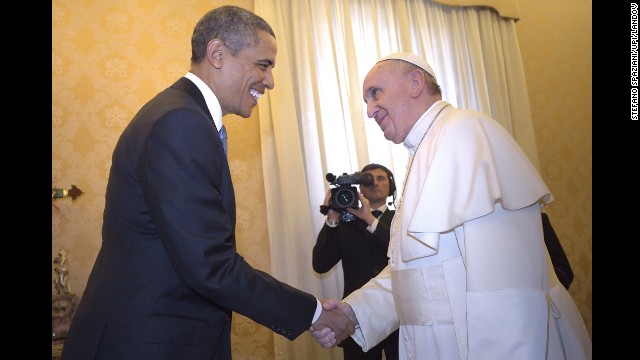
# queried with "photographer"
point(361, 242)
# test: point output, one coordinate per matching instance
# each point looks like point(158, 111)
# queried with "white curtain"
point(314, 121)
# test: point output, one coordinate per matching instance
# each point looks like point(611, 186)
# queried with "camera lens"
point(345, 198)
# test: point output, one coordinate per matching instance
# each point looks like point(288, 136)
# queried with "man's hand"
point(332, 215)
point(364, 212)
point(326, 336)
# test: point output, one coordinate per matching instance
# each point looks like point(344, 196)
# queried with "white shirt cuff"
point(373, 226)
point(318, 312)
point(332, 223)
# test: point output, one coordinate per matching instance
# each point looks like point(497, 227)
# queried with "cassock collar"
point(419, 129)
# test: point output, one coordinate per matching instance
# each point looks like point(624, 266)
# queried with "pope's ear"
point(418, 83)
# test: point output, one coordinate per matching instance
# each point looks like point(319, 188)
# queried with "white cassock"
point(471, 276)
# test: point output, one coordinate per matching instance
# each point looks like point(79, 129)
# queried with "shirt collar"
point(209, 97)
point(382, 208)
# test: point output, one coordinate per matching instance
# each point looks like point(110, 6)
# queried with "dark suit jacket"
point(363, 256)
point(168, 276)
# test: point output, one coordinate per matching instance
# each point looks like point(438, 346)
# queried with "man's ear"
point(214, 53)
point(418, 84)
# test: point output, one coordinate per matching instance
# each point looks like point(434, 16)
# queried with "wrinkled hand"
point(326, 336)
point(336, 325)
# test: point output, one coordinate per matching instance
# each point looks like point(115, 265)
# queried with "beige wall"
point(107, 62)
point(555, 42)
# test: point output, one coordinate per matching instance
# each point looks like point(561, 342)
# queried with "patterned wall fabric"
point(107, 61)
point(555, 41)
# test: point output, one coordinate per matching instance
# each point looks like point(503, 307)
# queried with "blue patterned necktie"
point(223, 137)
point(376, 213)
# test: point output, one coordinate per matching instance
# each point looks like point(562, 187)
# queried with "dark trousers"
point(352, 351)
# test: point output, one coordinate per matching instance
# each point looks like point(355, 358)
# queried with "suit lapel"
point(186, 85)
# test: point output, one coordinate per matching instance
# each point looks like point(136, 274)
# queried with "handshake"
point(336, 322)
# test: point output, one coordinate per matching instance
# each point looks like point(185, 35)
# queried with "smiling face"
point(246, 76)
point(387, 91)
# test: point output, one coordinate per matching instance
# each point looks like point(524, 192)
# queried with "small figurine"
point(61, 280)
point(64, 303)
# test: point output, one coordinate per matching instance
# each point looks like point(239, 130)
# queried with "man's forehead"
point(378, 171)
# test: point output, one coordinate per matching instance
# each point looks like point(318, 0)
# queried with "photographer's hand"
point(332, 215)
point(364, 212)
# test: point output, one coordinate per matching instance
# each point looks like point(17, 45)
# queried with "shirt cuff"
point(318, 312)
point(332, 223)
point(373, 226)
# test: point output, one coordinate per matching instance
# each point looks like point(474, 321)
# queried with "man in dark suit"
point(559, 259)
point(362, 246)
point(168, 277)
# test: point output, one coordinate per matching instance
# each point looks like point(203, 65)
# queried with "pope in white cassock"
point(469, 275)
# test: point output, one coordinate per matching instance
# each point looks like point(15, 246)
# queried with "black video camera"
point(344, 194)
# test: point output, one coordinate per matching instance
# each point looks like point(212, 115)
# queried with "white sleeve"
point(375, 310)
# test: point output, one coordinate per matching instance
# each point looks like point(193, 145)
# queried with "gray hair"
point(235, 26)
